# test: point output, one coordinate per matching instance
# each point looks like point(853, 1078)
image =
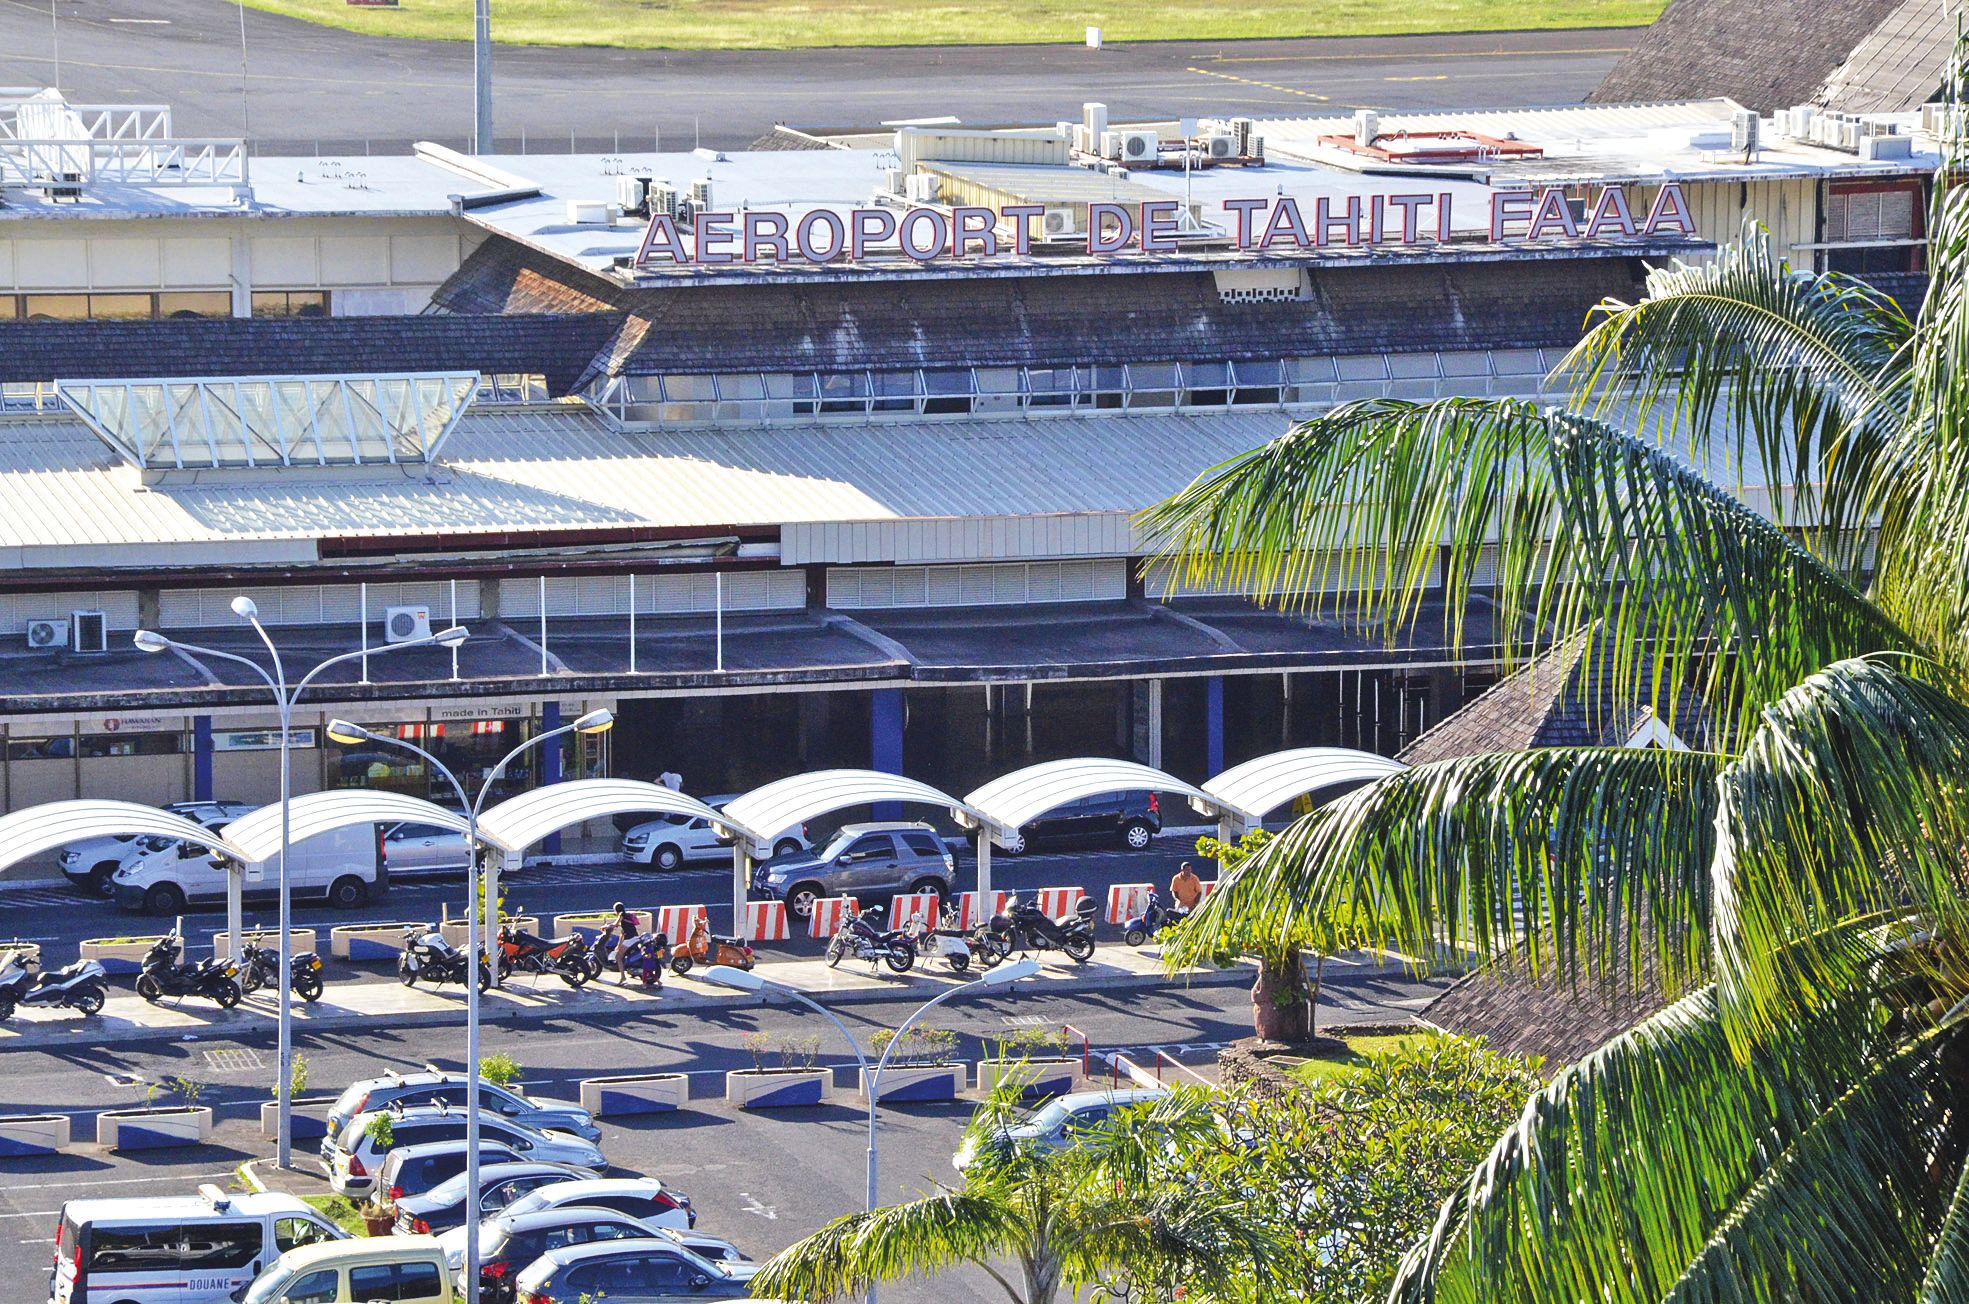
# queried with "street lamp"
point(345, 733)
point(284, 698)
point(744, 980)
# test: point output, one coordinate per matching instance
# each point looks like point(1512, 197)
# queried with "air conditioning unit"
point(1220, 147)
point(1094, 117)
point(701, 195)
point(1257, 150)
point(405, 624)
point(587, 212)
point(1745, 130)
point(1137, 147)
point(47, 635)
point(1367, 127)
point(1060, 223)
point(892, 181)
point(88, 631)
point(631, 193)
point(1874, 148)
point(1242, 130)
point(662, 197)
point(922, 187)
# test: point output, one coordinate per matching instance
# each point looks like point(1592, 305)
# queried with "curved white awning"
point(1023, 795)
point(1267, 782)
point(256, 836)
point(35, 829)
point(518, 822)
point(788, 802)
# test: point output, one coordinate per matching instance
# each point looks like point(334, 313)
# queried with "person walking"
point(626, 925)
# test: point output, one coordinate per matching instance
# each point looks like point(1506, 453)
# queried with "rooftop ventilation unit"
point(632, 194)
point(587, 212)
point(1220, 147)
point(662, 197)
point(1061, 223)
point(922, 187)
point(88, 631)
point(1244, 131)
point(1367, 126)
point(406, 624)
point(1746, 129)
point(701, 195)
point(1137, 146)
point(47, 635)
point(1094, 121)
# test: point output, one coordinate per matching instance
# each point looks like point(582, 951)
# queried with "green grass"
point(1341, 1062)
point(794, 24)
point(344, 1212)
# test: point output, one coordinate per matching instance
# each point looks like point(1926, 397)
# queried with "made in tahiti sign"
point(1278, 224)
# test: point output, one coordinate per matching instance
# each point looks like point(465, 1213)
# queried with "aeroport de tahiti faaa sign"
point(1268, 225)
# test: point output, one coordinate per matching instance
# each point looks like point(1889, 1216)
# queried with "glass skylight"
point(274, 420)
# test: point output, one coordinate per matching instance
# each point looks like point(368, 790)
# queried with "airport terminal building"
point(822, 453)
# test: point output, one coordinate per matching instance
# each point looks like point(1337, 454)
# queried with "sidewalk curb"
point(249, 1175)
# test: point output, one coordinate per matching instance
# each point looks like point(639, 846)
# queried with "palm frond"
point(1564, 852)
point(1947, 1278)
point(1807, 372)
point(1392, 504)
point(919, 1236)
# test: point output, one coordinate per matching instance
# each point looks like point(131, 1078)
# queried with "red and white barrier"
point(1127, 901)
point(1209, 886)
point(1057, 902)
point(829, 914)
point(908, 905)
point(973, 911)
point(765, 921)
point(676, 922)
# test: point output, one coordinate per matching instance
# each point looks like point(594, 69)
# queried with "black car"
point(1133, 817)
point(443, 1206)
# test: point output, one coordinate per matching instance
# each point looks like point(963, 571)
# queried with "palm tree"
point(1039, 1221)
point(1795, 1124)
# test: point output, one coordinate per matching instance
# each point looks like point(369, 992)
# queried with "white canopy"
point(36, 829)
point(255, 837)
point(788, 802)
point(1266, 782)
point(1019, 797)
point(519, 822)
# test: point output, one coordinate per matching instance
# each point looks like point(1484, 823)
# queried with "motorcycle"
point(704, 946)
point(954, 945)
point(862, 939)
point(259, 966)
point(1156, 916)
point(645, 955)
point(81, 986)
point(522, 951)
point(162, 976)
point(1027, 927)
point(428, 956)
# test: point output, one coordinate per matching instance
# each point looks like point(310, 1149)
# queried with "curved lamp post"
point(284, 697)
point(476, 907)
point(745, 980)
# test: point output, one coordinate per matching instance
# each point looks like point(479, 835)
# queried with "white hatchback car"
point(669, 840)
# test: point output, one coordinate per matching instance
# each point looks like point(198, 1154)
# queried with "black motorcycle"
point(214, 979)
point(522, 952)
point(1027, 927)
point(863, 938)
point(428, 956)
point(1155, 917)
point(260, 966)
point(81, 986)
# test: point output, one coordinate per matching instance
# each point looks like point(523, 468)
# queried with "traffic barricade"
point(908, 905)
point(676, 922)
point(1127, 901)
point(1057, 902)
point(971, 910)
point(765, 921)
point(829, 914)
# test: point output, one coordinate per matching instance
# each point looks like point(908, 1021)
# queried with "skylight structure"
point(356, 420)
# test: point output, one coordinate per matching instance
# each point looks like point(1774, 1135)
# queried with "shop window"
point(131, 744)
point(194, 303)
point(290, 303)
point(60, 747)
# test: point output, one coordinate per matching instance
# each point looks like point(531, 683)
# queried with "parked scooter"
point(81, 986)
point(1156, 916)
point(1025, 926)
point(260, 965)
point(162, 975)
point(863, 939)
point(521, 951)
point(428, 956)
point(645, 957)
point(954, 945)
point(706, 948)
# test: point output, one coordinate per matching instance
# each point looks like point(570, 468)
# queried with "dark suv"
point(1134, 817)
point(864, 861)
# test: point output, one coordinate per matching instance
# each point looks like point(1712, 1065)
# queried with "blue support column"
point(201, 758)
point(885, 720)
point(550, 763)
point(1213, 725)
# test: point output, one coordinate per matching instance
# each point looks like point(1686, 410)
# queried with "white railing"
point(123, 162)
point(32, 120)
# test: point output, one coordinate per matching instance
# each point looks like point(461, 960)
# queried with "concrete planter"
point(590, 925)
point(153, 1129)
point(1038, 1078)
point(642, 1093)
point(368, 941)
point(118, 957)
point(909, 1083)
point(30, 951)
point(453, 930)
point(33, 1134)
point(309, 1126)
point(778, 1088)
point(299, 940)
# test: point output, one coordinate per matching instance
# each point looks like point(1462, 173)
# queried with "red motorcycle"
point(521, 951)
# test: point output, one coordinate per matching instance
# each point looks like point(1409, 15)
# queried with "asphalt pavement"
point(307, 87)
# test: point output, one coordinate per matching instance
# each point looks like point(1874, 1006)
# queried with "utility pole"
point(482, 77)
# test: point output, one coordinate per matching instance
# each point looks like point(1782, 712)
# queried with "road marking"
point(1441, 76)
point(752, 1206)
point(109, 1181)
point(1270, 86)
point(144, 22)
point(1417, 55)
point(234, 1061)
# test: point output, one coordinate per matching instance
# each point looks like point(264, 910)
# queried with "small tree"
point(798, 1052)
point(297, 1077)
point(756, 1045)
point(499, 1070)
point(188, 1089)
point(382, 1129)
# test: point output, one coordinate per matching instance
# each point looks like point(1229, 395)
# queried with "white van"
point(344, 868)
point(182, 1249)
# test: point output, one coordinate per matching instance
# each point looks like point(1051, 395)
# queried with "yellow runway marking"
point(1424, 54)
point(1270, 86)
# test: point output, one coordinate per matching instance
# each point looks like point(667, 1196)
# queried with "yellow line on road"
point(1417, 55)
point(1270, 86)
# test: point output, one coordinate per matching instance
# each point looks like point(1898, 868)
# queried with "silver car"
point(410, 850)
point(433, 1086)
point(667, 841)
point(354, 1157)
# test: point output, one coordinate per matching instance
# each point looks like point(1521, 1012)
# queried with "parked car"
point(1133, 817)
point(398, 1269)
point(1057, 1123)
point(862, 861)
point(630, 1272)
point(644, 1198)
point(508, 1242)
point(667, 841)
point(419, 850)
point(89, 863)
point(177, 1249)
point(353, 1157)
point(416, 1169)
point(439, 1087)
point(443, 1206)
point(343, 868)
